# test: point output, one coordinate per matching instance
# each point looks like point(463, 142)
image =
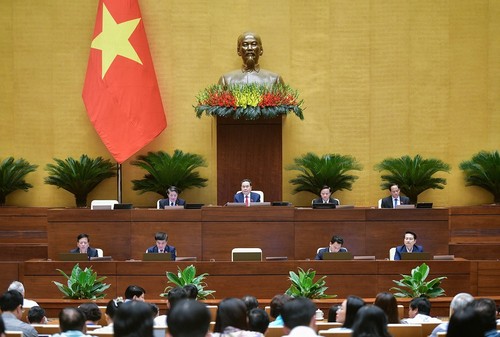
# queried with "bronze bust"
point(250, 49)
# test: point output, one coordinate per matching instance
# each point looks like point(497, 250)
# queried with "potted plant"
point(188, 276)
point(415, 285)
point(303, 285)
point(165, 170)
point(248, 101)
point(483, 170)
point(330, 170)
point(12, 174)
point(82, 284)
point(79, 177)
point(412, 175)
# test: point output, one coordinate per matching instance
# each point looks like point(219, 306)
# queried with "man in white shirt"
point(16, 285)
point(299, 317)
point(419, 312)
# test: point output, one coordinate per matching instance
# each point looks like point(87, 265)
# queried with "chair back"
point(100, 253)
point(392, 252)
point(405, 330)
point(213, 311)
point(10, 333)
point(103, 334)
point(158, 204)
point(379, 205)
point(47, 329)
point(327, 325)
point(274, 331)
point(102, 204)
point(334, 333)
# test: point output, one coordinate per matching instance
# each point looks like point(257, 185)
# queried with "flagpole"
point(119, 182)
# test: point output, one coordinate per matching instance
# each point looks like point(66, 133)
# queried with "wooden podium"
point(249, 149)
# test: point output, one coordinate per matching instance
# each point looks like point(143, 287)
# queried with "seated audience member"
point(174, 296)
point(36, 315)
point(189, 318)
point(325, 197)
point(487, 310)
point(332, 313)
point(459, 302)
point(92, 313)
point(347, 312)
point(16, 285)
point(133, 319)
point(246, 195)
point(419, 312)
point(370, 321)
point(394, 199)
point(172, 198)
point(111, 308)
point(11, 304)
point(299, 317)
point(83, 246)
point(277, 303)
point(134, 293)
point(231, 320)
point(388, 303)
point(409, 246)
point(251, 302)
point(258, 320)
point(466, 323)
point(335, 246)
point(191, 291)
point(72, 323)
point(161, 246)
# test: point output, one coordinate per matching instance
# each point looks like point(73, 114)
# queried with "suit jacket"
point(254, 197)
point(330, 201)
point(322, 251)
point(387, 202)
point(166, 202)
point(402, 249)
point(168, 249)
point(91, 252)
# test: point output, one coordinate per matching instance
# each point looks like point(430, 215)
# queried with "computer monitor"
point(156, 257)
point(424, 204)
point(246, 254)
point(122, 206)
point(73, 257)
point(416, 256)
point(323, 206)
point(337, 256)
point(193, 206)
point(405, 206)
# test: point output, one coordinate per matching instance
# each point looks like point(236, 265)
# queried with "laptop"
point(281, 203)
point(235, 204)
point(157, 256)
point(323, 206)
point(263, 203)
point(416, 256)
point(276, 258)
point(193, 206)
point(122, 206)
point(73, 257)
point(186, 258)
point(424, 204)
point(102, 207)
point(337, 256)
point(101, 258)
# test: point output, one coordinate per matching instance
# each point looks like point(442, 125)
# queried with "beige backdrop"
point(379, 79)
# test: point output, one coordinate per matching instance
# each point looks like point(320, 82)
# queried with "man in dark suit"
point(161, 246)
point(83, 246)
point(335, 246)
point(394, 199)
point(172, 199)
point(246, 195)
point(409, 246)
point(325, 197)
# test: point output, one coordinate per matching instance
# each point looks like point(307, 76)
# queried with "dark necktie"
point(247, 201)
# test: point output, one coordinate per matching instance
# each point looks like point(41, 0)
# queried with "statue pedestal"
point(249, 149)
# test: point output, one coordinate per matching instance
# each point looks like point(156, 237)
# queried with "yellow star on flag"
point(113, 40)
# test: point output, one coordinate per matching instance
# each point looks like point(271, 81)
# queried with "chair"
point(213, 311)
point(327, 325)
point(258, 192)
point(274, 331)
point(392, 252)
point(9, 333)
point(320, 248)
point(401, 311)
point(441, 334)
point(102, 204)
point(103, 334)
point(428, 327)
point(100, 253)
point(158, 204)
point(405, 330)
point(335, 333)
point(246, 254)
point(379, 205)
point(47, 329)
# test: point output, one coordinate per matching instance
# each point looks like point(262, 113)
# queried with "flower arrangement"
point(248, 101)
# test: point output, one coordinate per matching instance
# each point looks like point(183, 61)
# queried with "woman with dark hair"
point(388, 303)
point(466, 322)
point(370, 321)
point(92, 313)
point(332, 313)
point(231, 320)
point(347, 312)
point(111, 309)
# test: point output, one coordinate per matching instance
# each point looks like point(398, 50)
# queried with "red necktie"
point(247, 201)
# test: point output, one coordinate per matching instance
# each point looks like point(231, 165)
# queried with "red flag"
point(121, 92)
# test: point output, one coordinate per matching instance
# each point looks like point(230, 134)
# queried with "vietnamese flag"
point(121, 92)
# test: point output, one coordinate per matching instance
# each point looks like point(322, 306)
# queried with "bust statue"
point(250, 49)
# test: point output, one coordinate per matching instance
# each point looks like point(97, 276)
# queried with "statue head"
point(250, 49)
